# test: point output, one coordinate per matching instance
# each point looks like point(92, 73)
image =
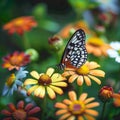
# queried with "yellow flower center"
point(95, 41)
point(44, 80)
point(19, 115)
point(10, 80)
point(18, 22)
point(83, 70)
point(77, 107)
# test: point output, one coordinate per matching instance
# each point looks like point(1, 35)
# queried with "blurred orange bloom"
point(97, 46)
point(65, 32)
point(116, 97)
point(84, 73)
point(79, 109)
point(21, 112)
point(15, 60)
point(20, 25)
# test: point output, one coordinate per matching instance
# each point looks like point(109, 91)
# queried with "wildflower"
point(34, 55)
point(97, 46)
point(105, 93)
point(84, 73)
point(49, 82)
point(116, 98)
point(21, 112)
point(20, 25)
point(15, 60)
point(115, 51)
point(80, 109)
point(13, 81)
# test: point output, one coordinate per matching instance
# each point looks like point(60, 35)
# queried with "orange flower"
point(15, 60)
point(21, 112)
point(105, 93)
point(116, 97)
point(97, 46)
point(19, 25)
point(80, 109)
point(84, 73)
point(65, 32)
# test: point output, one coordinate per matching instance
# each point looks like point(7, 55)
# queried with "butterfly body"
point(75, 53)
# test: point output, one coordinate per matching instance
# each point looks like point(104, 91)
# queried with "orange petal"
point(91, 105)
point(95, 79)
point(93, 65)
point(87, 80)
point(72, 95)
point(66, 101)
point(65, 116)
point(89, 117)
point(89, 100)
point(91, 112)
point(99, 73)
point(61, 105)
point(83, 96)
point(80, 80)
point(62, 111)
point(72, 78)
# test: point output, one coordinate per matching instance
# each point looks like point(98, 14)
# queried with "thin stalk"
point(103, 111)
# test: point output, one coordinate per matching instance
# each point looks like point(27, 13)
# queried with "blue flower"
point(13, 81)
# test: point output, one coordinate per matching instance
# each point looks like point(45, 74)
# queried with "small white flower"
point(14, 81)
point(115, 45)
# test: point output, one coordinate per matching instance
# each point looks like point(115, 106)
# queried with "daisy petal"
point(87, 80)
point(91, 112)
point(60, 84)
point(89, 117)
point(72, 95)
point(50, 71)
point(99, 73)
point(35, 74)
point(83, 96)
point(51, 93)
point(80, 80)
point(95, 79)
point(42, 92)
point(60, 105)
point(89, 100)
point(91, 105)
point(62, 111)
point(65, 116)
point(30, 81)
point(72, 78)
point(33, 88)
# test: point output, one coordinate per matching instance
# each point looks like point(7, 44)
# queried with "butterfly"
point(75, 53)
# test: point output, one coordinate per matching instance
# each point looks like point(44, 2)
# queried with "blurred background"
point(55, 17)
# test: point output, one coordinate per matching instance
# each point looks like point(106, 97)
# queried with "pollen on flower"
point(10, 80)
point(44, 79)
point(84, 70)
point(95, 41)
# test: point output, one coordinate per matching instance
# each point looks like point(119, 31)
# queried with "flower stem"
point(26, 43)
point(103, 111)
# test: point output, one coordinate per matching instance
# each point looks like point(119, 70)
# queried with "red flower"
point(19, 25)
point(21, 112)
point(15, 60)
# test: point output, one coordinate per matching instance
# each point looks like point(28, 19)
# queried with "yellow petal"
point(35, 74)
point(99, 73)
point(72, 78)
point(30, 90)
point(91, 105)
point(56, 89)
point(37, 91)
point(91, 112)
point(95, 79)
point(80, 80)
point(57, 77)
point(42, 92)
point(51, 93)
point(83, 96)
point(60, 84)
point(30, 81)
point(50, 71)
point(87, 81)
point(72, 95)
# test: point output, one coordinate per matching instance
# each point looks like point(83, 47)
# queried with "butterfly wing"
point(75, 53)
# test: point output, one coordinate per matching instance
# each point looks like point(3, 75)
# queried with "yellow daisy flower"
point(85, 73)
point(45, 82)
point(80, 109)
